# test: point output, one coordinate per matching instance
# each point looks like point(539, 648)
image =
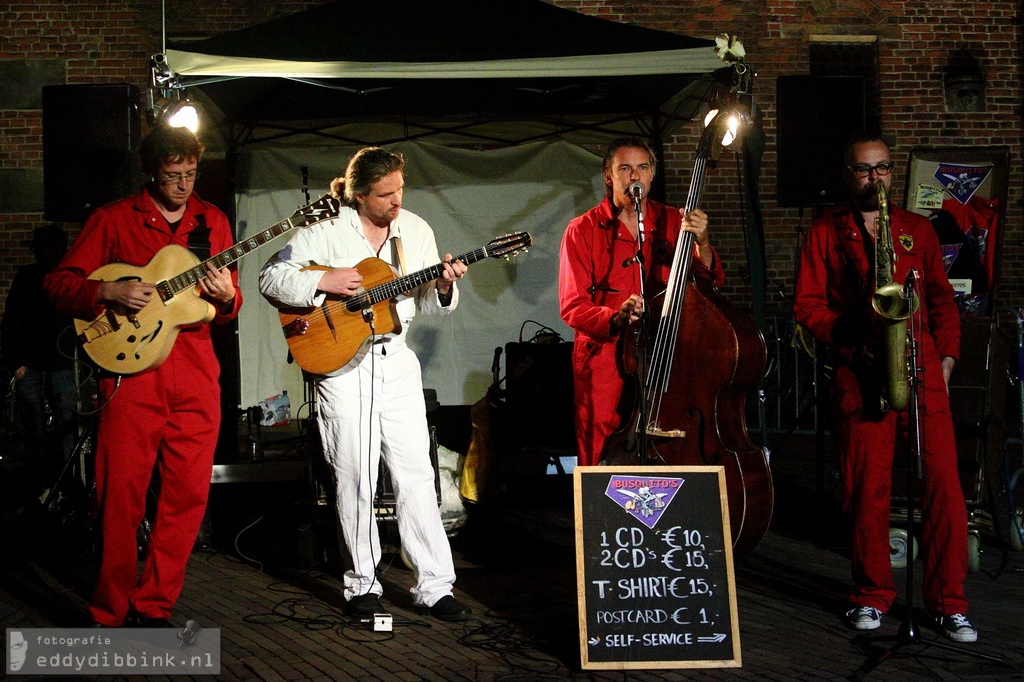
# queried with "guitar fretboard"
point(400, 285)
point(322, 209)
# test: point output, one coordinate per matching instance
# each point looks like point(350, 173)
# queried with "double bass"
point(706, 355)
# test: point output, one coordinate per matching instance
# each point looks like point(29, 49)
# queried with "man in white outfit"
point(373, 406)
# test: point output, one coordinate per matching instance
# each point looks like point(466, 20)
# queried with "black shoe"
point(364, 605)
point(447, 608)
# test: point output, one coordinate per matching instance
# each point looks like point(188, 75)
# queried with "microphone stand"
point(640, 337)
point(909, 632)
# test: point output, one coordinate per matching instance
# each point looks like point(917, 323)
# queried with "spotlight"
point(165, 102)
point(175, 112)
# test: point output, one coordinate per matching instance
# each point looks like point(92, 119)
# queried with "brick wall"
point(102, 41)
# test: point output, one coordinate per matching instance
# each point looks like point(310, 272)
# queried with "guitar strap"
point(199, 239)
point(397, 256)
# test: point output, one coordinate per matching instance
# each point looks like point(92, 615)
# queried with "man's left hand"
point(217, 284)
point(453, 270)
point(696, 222)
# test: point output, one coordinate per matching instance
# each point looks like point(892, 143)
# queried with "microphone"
point(636, 190)
point(908, 284)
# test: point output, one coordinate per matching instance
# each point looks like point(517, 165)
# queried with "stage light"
point(176, 112)
point(732, 130)
point(165, 99)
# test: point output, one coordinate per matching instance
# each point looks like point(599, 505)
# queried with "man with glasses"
point(833, 300)
point(167, 417)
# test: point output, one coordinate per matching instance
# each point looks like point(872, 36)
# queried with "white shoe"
point(958, 628)
point(864, 618)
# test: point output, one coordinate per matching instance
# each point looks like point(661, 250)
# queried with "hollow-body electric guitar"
point(325, 338)
point(126, 342)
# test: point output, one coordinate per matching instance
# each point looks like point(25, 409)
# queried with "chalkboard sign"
point(654, 568)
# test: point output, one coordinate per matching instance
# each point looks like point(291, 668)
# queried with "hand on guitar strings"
point(696, 222)
point(130, 294)
point(341, 281)
point(453, 270)
point(631, 310)
point(217, 284)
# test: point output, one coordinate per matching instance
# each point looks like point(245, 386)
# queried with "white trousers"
point(376, 409)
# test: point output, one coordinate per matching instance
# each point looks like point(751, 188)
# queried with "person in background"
point(834, 289)
point(373, 406)
point(38, 349)
point(599, 287)
point(165, 418)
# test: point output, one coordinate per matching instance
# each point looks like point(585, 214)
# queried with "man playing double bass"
point(602, 282)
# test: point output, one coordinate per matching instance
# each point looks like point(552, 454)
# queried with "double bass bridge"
point(658, 432)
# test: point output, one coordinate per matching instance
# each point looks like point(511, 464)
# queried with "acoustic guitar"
point(325, 338)
point(129, 342)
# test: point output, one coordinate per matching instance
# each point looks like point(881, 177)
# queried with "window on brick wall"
point(850, 59)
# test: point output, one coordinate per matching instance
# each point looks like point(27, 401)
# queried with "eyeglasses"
point(863, 170)
point(175, 178)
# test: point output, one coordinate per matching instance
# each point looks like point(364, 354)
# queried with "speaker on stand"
point(90, 134)
point(816, 115)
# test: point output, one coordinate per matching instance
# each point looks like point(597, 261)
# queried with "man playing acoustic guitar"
point(169, 415)
point(372, 405)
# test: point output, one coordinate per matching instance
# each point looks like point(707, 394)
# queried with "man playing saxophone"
point(837, 280)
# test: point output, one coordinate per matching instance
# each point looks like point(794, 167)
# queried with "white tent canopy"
point(448, 64)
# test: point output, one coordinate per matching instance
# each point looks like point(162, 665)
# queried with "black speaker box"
point(90, 134)
point(539, 395)
point(816, 117)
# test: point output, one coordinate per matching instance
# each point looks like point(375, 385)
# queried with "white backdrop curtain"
point(468, 197)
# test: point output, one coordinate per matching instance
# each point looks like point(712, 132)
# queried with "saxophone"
point(892, 309)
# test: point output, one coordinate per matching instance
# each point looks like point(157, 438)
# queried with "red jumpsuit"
point(833, 301)
point(592, 284)
point(168, 416)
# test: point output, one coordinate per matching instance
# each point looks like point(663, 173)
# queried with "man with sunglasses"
point(834, 289)
point(166, 418)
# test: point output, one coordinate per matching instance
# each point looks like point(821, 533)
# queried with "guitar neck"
point(400, 285)
point(191, 277)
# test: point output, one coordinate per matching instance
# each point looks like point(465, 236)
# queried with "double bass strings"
point(660, 367)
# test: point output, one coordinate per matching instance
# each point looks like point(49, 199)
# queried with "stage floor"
point(266, 580)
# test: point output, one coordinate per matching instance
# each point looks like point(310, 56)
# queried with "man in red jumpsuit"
point(833, 300)
point(599, 287)
point(166, 417)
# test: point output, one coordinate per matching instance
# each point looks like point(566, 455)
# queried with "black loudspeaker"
point(816, 117)
point(539, 395)
point(90, 134)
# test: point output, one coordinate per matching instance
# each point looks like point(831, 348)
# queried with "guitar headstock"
point(324, 208)
point(508, 245)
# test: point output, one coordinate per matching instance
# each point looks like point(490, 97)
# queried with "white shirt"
point(340, 243)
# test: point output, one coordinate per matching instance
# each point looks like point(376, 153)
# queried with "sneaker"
point(958, 628)
point(864, 618)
